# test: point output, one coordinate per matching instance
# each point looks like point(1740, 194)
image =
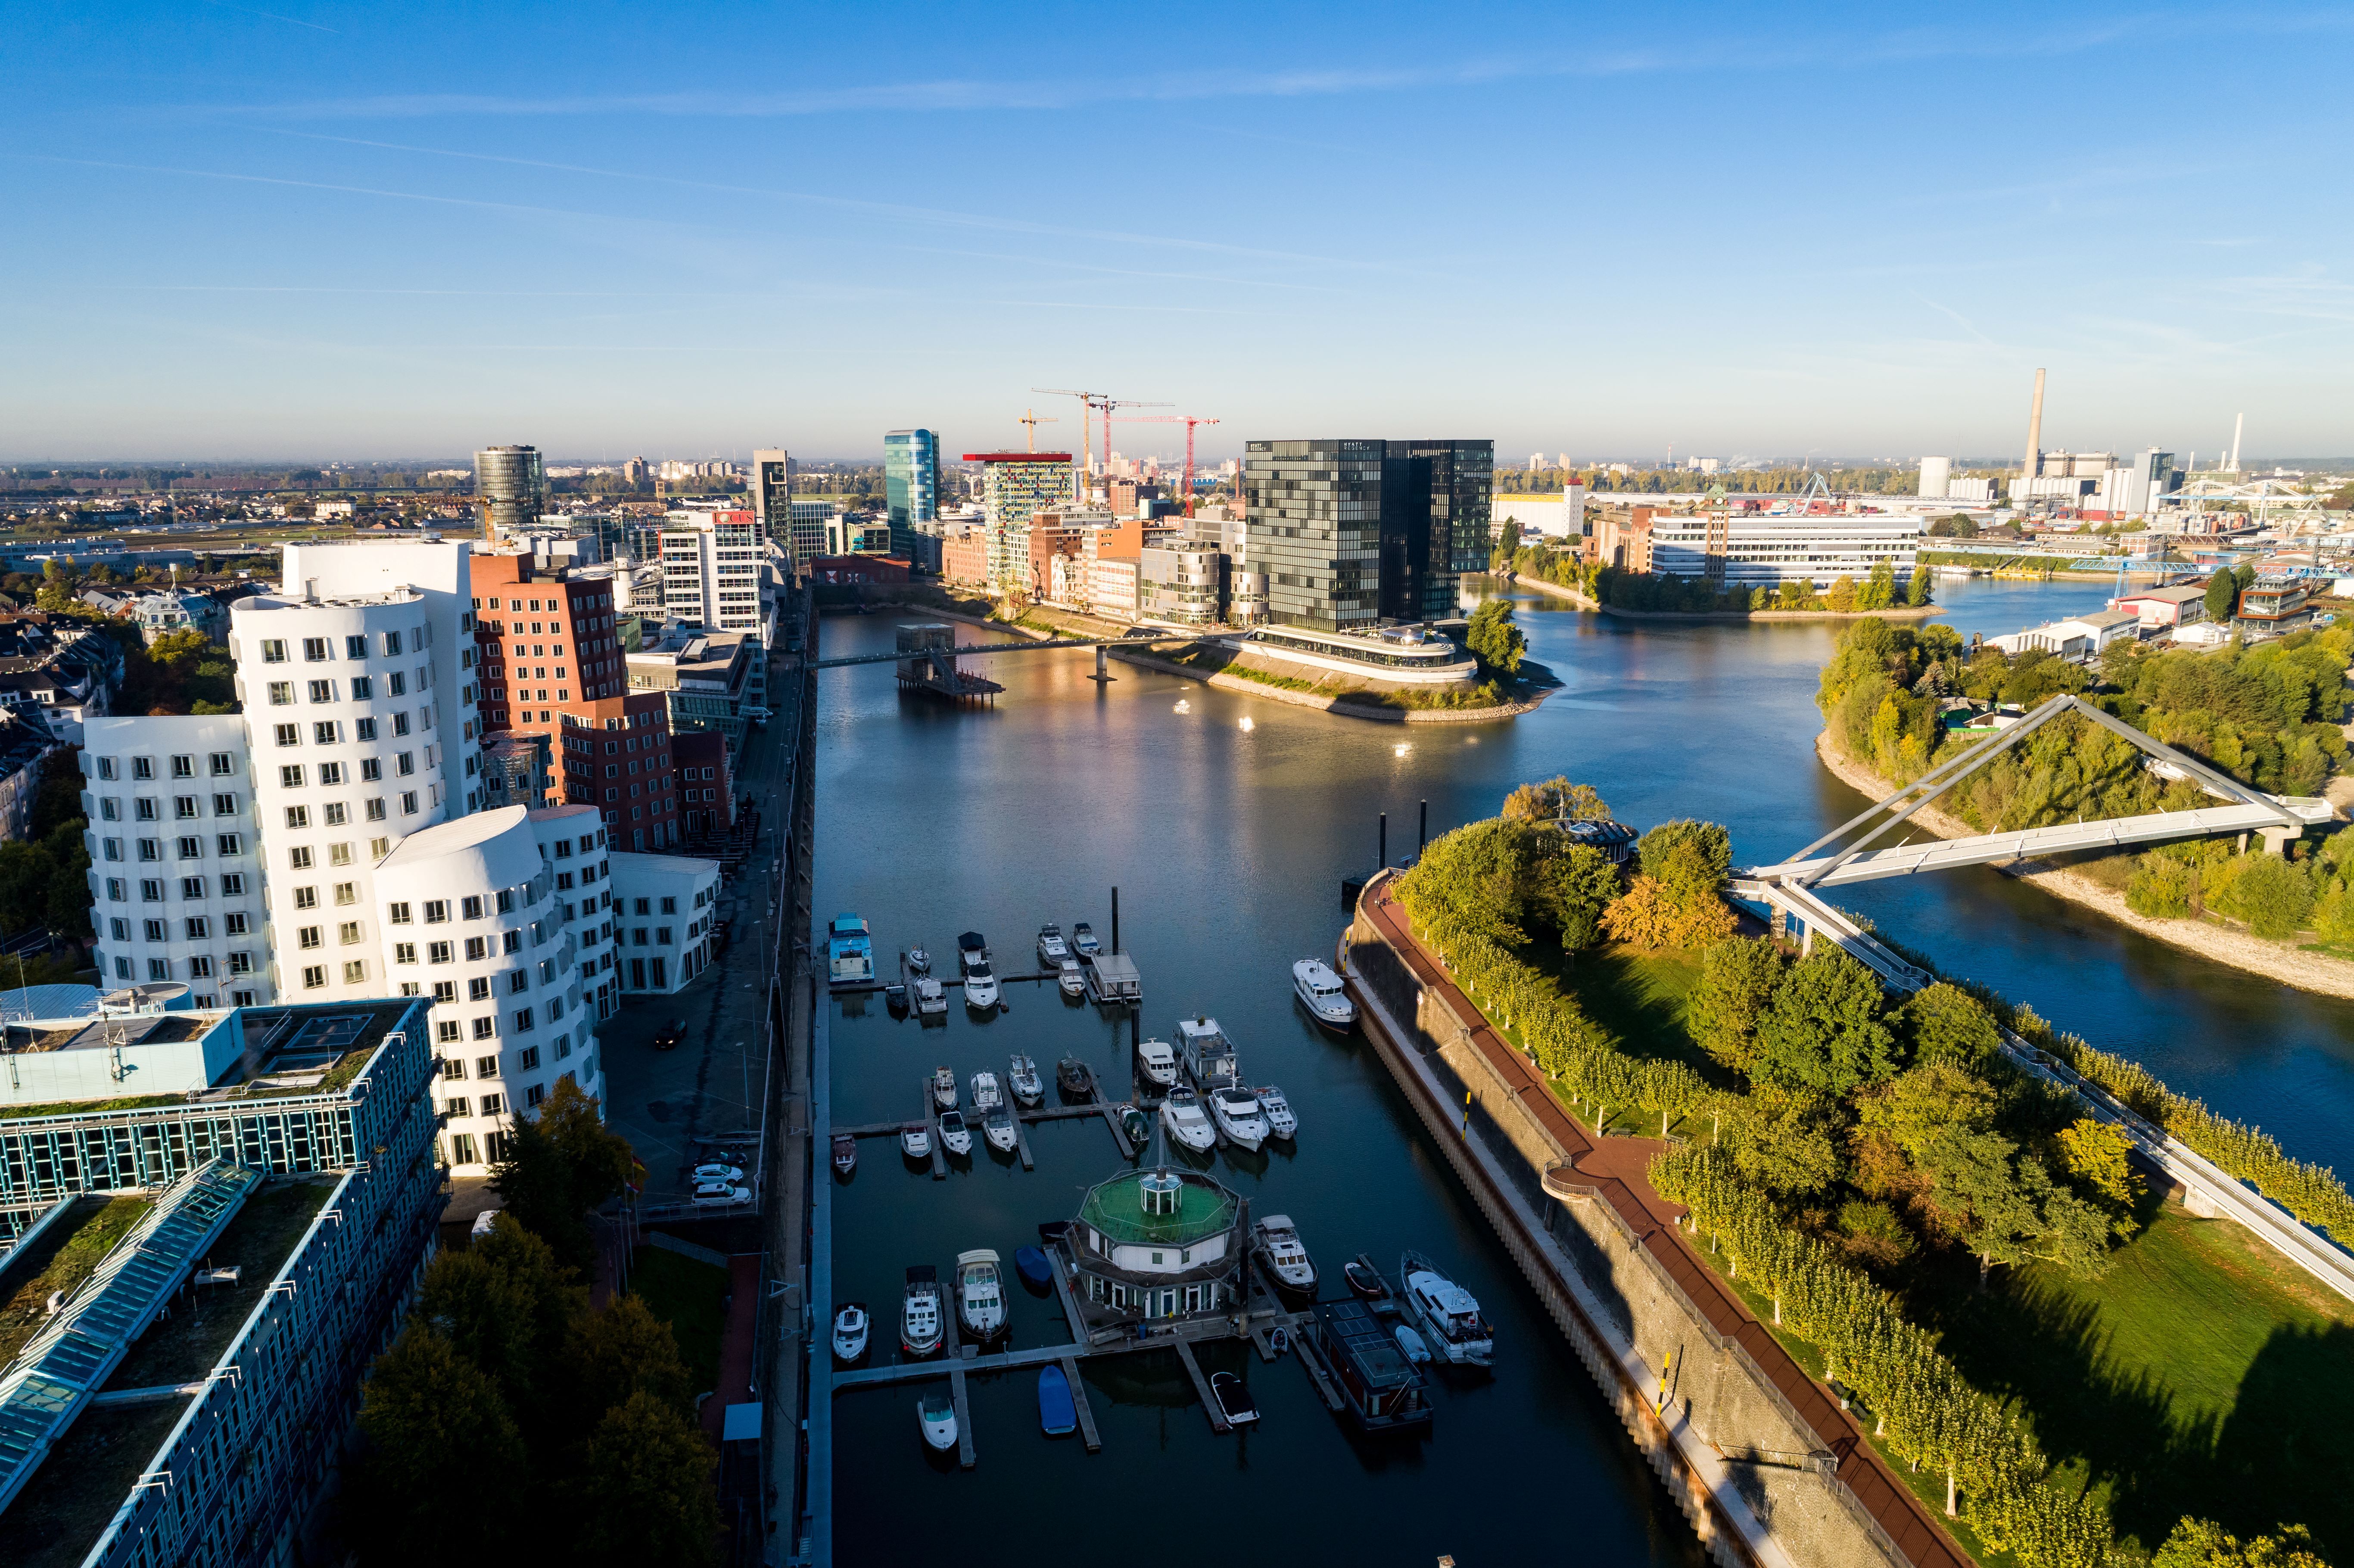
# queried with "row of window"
point(199, 968)
point(191, 846)
point(195, 927)
point(148, 809)
point(363, 689)
point(150, 889)
point(330, 732)
point(302, 857)
point(321, 649)
point(471, 907)
point(223, 765)
point(478, 949)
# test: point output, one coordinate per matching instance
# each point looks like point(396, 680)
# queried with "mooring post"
point(1422, 833)
point(1384, 862)
point(1115, 919)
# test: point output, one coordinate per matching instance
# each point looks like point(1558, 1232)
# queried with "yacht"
point(1326, 998)
point(936, 1414)
point(1282, 1121)
point(931, 998)
point(1072, 978)
point(850, 1327)
point(1022, 1077)
point(1158, 1061)
point(1208, 1054)
point(985, 1093)
point(1239, 1116)
point(997, 1126)
point(980, 1294)
point(1052, 948)
point(943, 1089)
point(980, 989)
point(1181, 1114)
point(916, 1142)
point(920, 962)
point(955, 1136)
point(1276, 1242)
point(1083, 940)
point(921, 1327)
point(971, 949)
point(849, 952)
point(1445, 1312)
point(1075, 1077)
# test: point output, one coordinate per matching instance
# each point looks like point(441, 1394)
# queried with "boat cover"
point(1032, 1264)
point(1056, 1413)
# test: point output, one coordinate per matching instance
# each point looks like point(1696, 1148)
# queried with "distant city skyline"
point(320, 229)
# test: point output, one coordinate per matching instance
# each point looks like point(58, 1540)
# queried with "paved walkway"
point(735, 1342)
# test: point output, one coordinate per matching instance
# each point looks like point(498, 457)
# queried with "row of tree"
point(503, 1376)
point(1624, 589)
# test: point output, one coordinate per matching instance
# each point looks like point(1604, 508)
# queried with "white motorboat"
point(916, 1143)
point(1282, 1121)
point(1239, 1116)
point(1157, 1060)
point(850, 1327)
point(920, 962)
point(1052, 948)
point(936, 1414)
point(1022, 1077)
point(1208, 1054)
point(1072, 978)
point(1446, 1313)
point(1282, 1254)
point(985, 1093)
point(1083, 941)
point(1326, 998)
point(955, 1136)
point(944, 1088)
point(931, 998)
point(997, 1126)
point(1187, 1123)
point(1410, 1345)
point(980, 989)
point(971, 949)
point(921, 1325)
point(980, 1294)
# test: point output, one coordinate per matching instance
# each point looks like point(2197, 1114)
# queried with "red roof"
point(1017, 456)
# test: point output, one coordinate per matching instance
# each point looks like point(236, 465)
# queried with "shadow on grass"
point(1639, 997)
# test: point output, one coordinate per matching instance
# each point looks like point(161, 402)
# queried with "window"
point(457, 1105)
point(110, 809)
point(235, 924)
point(506, 900)
point(445, 990)
point(339, 854)
point(477, 950)
point(395, 913)
point(363, 689)
point(392, 642)
point(462, 1148)
point(662, 974)
point(471, 906)
point(637, 937)
point(496, 1105)
point(521, 981)
point(405, 763)
point(306, 898)
point(298, 816)
point(533, 1094)
point(288, 734)
point(347, 932)
point(645, 906)
point(183, 807)
point(118, 929)
point(114, 886)
point(154, 930)
point(322, 691)
point(291, 778)
point(436, 911)
point(299, 859)
point(404, 952)
point(310, 937)
point(228, 843)
point(661, 936)
point(409, 803)
point(143, 767)
point(240, 964)
point(159, 968)
point(347, 893)
point(375, 814)
point(316, 649)
point(511, 941)
point(478, 989)
point(331, 775)
point(192, 848)
point(364, 729)
point(523, 1024)
point(484, 1028)
point(281, 692)
point(379, 848)
point(396, 685)
point(106, 768)
point(355, 646)
point(325, 734)
point(314, 977)
point(439, 953)
point(446, 1031)
point(151, 849)
point(146, 809)
point(224, 805)
point(356, 971)
point(224, 765)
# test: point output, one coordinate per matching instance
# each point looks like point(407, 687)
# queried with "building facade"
point(770, 487)
point(1350, 533)
point(711, 569)
point(1182, 583)
point(1014, 488)
point(1756, 550)
point(706, 776)
point(510, 488)
point(703, 678)
point(662, 913)
point(911, 487)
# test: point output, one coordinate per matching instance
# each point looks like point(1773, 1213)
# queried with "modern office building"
point(1350, 533)
point(770, 487)
point(662, 916)
point(176, 856)
point(705, 677)
point(809, 521)
point(711, 569)
point(911, 487)
point(1757, 550)
point(510, 488)
point(188, 1400)
point(1183, 583)
point(1014, 488)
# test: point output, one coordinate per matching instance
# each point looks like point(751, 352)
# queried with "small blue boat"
point(1056, 1414)
point(1030, 1264)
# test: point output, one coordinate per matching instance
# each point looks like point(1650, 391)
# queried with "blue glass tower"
point(911, 487)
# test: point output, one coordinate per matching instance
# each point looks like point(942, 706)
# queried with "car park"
point(715, 1170)
point(720, 1195)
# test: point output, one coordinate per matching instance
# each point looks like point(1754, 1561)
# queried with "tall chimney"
point(2239, 423)
point(2035, 430)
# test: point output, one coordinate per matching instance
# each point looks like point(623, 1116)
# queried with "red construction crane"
point(1089, 402)
point(1189, 421)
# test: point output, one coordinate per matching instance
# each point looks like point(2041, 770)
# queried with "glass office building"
point(770, 484)
point(1351, 533)
point(510, 487)
point(911, 487)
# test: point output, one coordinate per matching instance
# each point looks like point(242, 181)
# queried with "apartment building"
point(1014, 488)
point(661, 914)
point(705, 677)
point(706, 775)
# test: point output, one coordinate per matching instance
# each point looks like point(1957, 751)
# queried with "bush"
point(2160, 887)
point(1873, 1233)
point(2273, 897)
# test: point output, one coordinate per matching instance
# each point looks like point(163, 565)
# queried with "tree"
point(1782, 1142)
point(1824, 1033)
point(1943, 1023)
point(507, 1304)
point(1841, 599)
point(2223, 598)
point(1493, 639)
point(624, 1351)
point(1572, 889)
point(2203, 1543)
point(2273, 897)
point(597, 1160)
point(1554, 799)
point(1917, 592)
point(1738, 980)
point(1879, 590)
point(642, 1491)
point(2100, 1155)
point(1688, 859)
point(429, 1413)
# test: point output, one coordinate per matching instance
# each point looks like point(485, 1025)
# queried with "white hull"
point(1320, 990)
point(980, 995)
point(1000, 1135)
point(1250, 1131)
point(1192, 1130)
point(1281, 1122)
point(916, 1145)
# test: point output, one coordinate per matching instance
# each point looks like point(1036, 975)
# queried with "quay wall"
point(1765, 1467)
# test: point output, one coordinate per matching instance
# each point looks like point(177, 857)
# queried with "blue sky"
point(317, 228)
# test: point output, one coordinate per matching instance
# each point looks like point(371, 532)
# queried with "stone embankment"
point(1722, 617)
point(1756, 1454)
point(1327, 702)
point(2290, 964)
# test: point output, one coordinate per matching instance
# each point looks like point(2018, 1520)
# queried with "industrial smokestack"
point(2239, 423)
point(2035, 430)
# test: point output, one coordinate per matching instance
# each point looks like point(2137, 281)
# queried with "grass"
point(84, 1107)
point(691, 1296)
point(184, 1346)
point(73, 1249)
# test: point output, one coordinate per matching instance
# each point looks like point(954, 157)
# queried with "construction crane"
point(1189, 421)
point(1087, 406)
point(1030, 418)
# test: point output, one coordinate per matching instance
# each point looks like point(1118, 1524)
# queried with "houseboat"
point(1112, 981)
point(1207, 1054)
point(1380, 1389)
point(849, 953)
point(1153, 1246)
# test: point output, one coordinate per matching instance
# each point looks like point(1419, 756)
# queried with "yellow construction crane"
point(1030, 418)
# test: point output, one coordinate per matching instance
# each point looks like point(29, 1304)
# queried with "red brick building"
point(552, 664)
point(707, 782)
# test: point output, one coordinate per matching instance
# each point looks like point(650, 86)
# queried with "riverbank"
point(1722, 617)
point(2293, 966)
point(1335, 703)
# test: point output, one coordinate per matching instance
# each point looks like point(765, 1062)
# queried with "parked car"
point(484, 1222)
point(716, 1171)
point(720, 1195)
point(668, 1036)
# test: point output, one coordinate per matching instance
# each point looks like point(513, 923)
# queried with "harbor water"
point(1227, 822)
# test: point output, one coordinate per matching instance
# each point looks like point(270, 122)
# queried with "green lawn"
point(689, 1295)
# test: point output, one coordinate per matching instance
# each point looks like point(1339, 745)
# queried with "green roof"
point(1116, 1208)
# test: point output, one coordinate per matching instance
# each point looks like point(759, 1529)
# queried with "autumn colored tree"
point(1553, 799)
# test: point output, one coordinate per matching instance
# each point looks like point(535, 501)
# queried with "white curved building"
point(356, 746)
point(473, 919)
